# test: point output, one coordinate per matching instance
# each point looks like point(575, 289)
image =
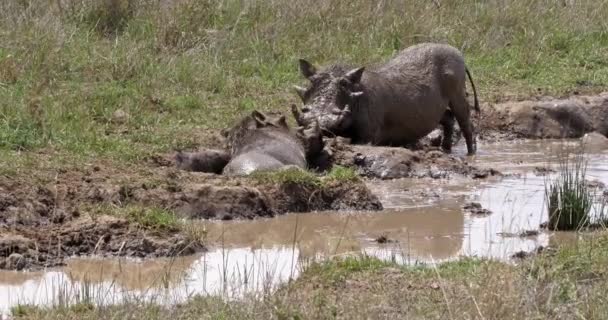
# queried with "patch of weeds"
point(20, 134)
point(22, 310)
point(342, 174)
point(569, 199)
point(195, 232)
point(125, 193)
point(82, 307)
point(464, 267)
point(185, 102)
point(153, 218)
point(570, 265)
point(108, 17)
point(337, 269)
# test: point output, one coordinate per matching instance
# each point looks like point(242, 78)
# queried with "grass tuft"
point(342, 174)
point(152, 218)
point(569, 200)
point(107, 17)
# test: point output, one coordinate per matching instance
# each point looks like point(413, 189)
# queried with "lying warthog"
point(259, 142)
point(396, 104)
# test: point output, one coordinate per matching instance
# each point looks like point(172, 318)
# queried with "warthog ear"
point(260, 119)
point(354, 76)
point(307, 69)
point(281, 122)
point(258, 115)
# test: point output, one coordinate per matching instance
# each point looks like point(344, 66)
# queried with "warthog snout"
point(334, 121)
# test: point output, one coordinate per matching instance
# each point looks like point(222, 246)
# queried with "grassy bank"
point(137, 77)
point(564, 283)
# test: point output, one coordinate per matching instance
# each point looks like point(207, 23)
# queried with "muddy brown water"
point(423, 222)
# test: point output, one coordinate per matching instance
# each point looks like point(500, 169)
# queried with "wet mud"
point(53, 215)
point(385, 163)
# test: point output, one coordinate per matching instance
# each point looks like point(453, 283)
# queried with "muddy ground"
point(544, 118)
point(47, 215)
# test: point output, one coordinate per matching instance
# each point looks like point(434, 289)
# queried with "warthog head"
point(329, 98)
point(310, 136)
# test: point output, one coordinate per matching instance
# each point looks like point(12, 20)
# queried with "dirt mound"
point(545, 118)
point(227, 203)
point(329, 196)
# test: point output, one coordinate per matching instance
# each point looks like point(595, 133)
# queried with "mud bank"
point(52, 215)
point(422, 161)
point(545, 118)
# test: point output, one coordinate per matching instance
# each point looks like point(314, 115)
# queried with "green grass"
point(153, 218)
point(146, 217)
point(339, 173)
point(178, 68)
point(290, 175)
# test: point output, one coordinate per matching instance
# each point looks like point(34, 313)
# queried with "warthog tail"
point(474, 91)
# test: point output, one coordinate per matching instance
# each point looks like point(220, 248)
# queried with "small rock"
point(475, 208)
point(120, 116)
point(595, 141)
point(528, 233)
point(520, 255)
point(523, 234)
point(542, 171)
point(384, 239)
point(484, 173)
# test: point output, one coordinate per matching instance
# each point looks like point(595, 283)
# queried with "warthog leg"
point(462, 111)
point(447, 123)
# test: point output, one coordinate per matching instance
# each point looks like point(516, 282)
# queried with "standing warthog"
point(258, 142)
point(396, 104)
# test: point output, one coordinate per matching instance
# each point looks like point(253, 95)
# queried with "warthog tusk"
point(356, 94)
point(301, 91)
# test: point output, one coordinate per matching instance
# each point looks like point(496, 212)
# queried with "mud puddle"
point(423, 222)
